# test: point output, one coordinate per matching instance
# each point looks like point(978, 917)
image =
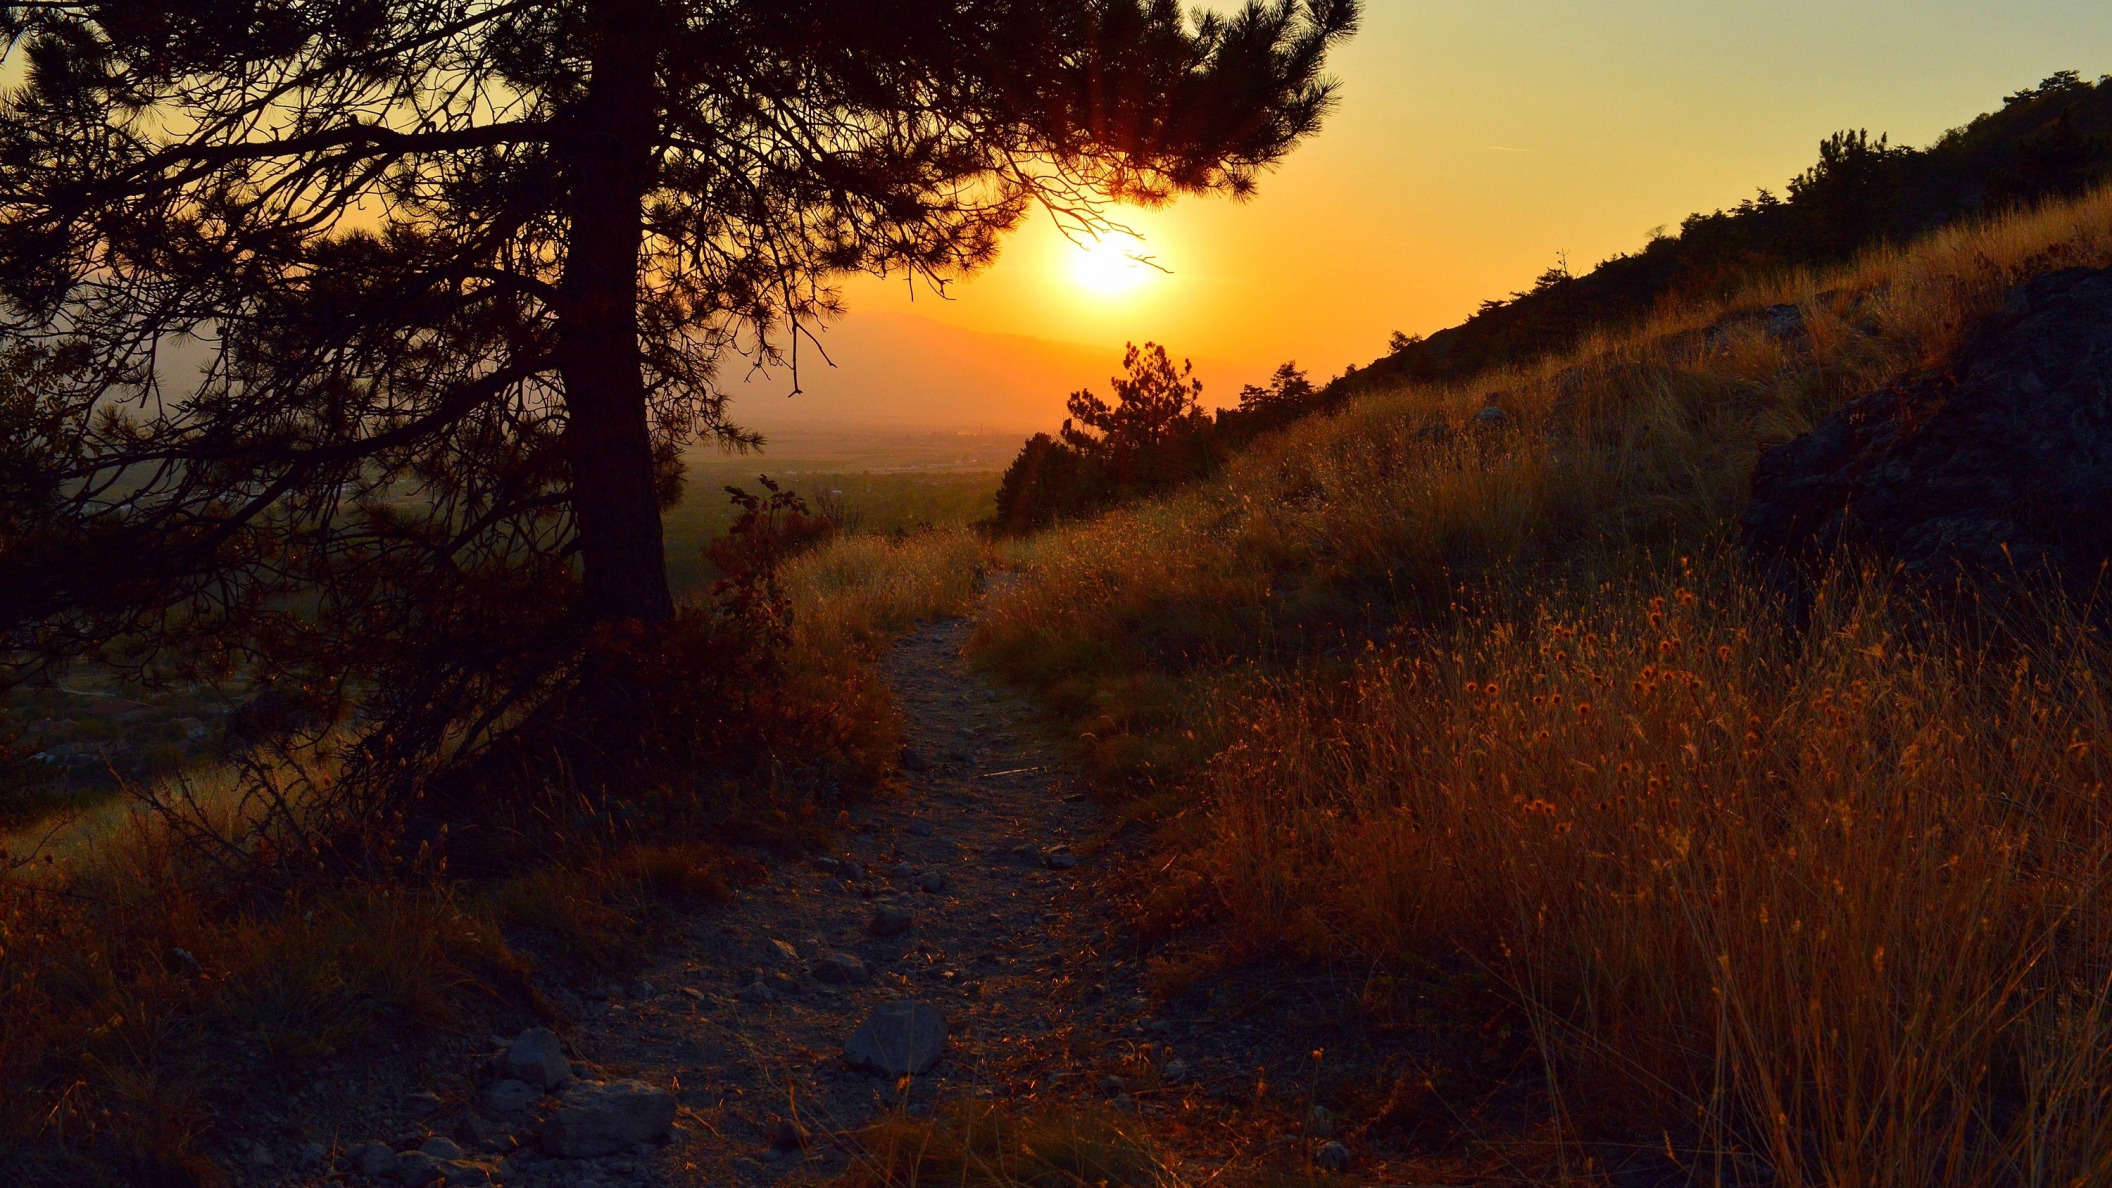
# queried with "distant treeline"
point(2048, 141)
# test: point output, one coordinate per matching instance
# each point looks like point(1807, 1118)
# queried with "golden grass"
point(1819, 901)
point(983, 1147)
point(1843, 898)
point(1625, 451)
point(862, 589)
point(127, 966)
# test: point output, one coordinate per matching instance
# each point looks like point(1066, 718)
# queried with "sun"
point(1111, 266)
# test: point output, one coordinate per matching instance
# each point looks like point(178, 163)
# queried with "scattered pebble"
point(890, 918)
point(841, 969)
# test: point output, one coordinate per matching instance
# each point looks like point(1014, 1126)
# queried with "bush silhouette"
point(1154, 435)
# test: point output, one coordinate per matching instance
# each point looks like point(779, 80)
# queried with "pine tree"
point(336, 321)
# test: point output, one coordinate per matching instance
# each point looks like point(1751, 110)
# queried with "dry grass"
point(1816, 900)
point(1611, 459)
point(1842, 898)
point(983, 1147)
point(137, 985)
point(862, 590)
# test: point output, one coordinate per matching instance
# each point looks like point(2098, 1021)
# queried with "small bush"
point(1153, 437)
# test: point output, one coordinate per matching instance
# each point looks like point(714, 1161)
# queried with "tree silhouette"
point(1153, 436)
point(1155, 404)
point(333, 320)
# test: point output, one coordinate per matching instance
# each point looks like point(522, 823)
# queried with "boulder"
point(1997, 463)
point(537, 1057)
point(602, 1119)
point(899, 1038)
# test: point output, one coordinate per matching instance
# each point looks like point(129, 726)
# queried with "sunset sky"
point(1475, 141)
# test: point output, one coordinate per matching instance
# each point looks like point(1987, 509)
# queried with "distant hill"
point(2052, 140)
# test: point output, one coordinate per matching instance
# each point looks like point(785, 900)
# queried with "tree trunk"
point(607, 155)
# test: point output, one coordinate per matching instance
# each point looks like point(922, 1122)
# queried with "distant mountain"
point(902, 371)
point(2047, 141)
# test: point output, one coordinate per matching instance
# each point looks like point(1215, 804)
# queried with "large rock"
point(898, 1038)
point(1999, 462)
point(602, 1119)
point(537, 1057)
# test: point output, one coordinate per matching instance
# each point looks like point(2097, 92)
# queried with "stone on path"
point(899, 1038)
point(602, 1119)
point(1059, 858)
point(841, 968)
point(510, 1096)
point(890, 918)
point(538, 1058)
point(441, 1147)
point(930, 881)
point(1332, 1156)
point(417, 1169)
point(373, 1159)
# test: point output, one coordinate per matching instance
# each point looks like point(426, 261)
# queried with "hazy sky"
point(1475, 141)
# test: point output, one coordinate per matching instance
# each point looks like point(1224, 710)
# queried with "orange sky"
point(1476, 140)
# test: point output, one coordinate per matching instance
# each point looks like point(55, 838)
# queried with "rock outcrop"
point(1998, 464)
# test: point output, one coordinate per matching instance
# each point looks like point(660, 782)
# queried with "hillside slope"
point(2049, 142)
point(1770, 894)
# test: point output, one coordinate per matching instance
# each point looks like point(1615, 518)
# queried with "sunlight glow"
point(1111, 266)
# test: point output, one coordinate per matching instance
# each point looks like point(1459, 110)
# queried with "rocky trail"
point(945, 951)
point(956, 894)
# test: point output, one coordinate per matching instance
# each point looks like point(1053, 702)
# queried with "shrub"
point(1154, 436)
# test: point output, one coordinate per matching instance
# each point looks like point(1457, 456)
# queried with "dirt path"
point(735, 1019)
point(739, 1016)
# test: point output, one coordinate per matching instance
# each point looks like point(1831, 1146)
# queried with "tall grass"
point(1836, 889)
point(1811, 898)
point(137, 984)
